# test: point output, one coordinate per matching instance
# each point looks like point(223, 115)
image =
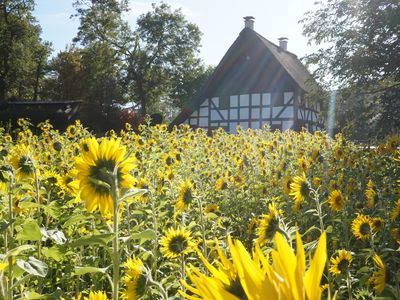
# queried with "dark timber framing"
point(256, 83)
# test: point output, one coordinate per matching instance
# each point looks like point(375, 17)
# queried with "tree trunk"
point(3, 91)
point(36, 84)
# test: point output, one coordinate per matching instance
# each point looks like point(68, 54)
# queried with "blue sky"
point(220, 21)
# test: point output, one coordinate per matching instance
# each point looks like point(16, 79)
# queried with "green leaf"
point(76, 219)
point(329, 229)
point(30, 231)
point(16, 251)
point(99, 183)
point(54, 209)
point(212, 216)
point(33, 266)
point(55, 235)
point(27, 204)
point(84, 270)
point(133, 193)
point(137, 212)
point(33, 296)
point(98, 239)
point(56, 252)
point(143, 236)
point(36, 296)
point(4, 225)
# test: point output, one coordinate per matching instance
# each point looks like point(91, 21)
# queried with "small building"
point(256, 83)
point(59, 113)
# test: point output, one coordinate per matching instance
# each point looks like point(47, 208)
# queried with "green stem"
point(155, 228)
point(10, 245)
point(183, 270)
point(202, 224)
point(319, 210)
point(349, 287)
point(115, 258)
point(37, 190)
point(158, 285)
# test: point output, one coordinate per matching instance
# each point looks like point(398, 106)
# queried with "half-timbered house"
point(256, 83)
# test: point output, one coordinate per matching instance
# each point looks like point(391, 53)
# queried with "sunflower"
point(340, 263)
point(185, 196)
point(72, 131)
point(22, 162)
point(211, 208)
point(285, 278)
point(316, 181)
point(269, 225)
point(286, 182)
point(225, 278)
point(338, 153)
point(377, 223)
point(95, 169)
point(92, 296)
point(395, 233)
point(51, 178)
point(221, 184)
point(135, 279)
point(379, 278)
point(370, 194)
point(362, 227)
point(303, 164)
point(169, 159)
point(299, 189)
point(8, 138)
point(70, 185)
point(142, 183)
point(5, 172)
point(336, 200)
point(176, 242)
point(395, 213)
point(22, 122)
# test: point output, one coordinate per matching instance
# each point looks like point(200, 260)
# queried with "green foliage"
point(23, 55)
point(359, 49)
point(155, 63)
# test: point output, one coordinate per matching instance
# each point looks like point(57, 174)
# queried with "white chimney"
point(283, 43)
point(249, 22)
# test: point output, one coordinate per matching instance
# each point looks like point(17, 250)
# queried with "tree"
point(22, 53)
point(359, 52)
point(155, 58)
point(65, 78)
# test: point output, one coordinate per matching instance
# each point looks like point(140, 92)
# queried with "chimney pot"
point(249, 22)
point(283, 41)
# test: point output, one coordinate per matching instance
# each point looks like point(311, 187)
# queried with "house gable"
point(256, 83)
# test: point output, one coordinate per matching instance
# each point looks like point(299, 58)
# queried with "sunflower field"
point(184, 215)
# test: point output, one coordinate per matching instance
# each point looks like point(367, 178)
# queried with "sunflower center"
point(365, 229)
point(304, 189)
point(141, 285)
point(102, 172)
point(187, 196)
point(85, 147)
point(343, 265)
point(178, 244)
point(169, 161)
point(273, 226)
point(338, 200)
point(25, 165)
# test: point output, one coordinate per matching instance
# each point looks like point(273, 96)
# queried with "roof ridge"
point(275, 45)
